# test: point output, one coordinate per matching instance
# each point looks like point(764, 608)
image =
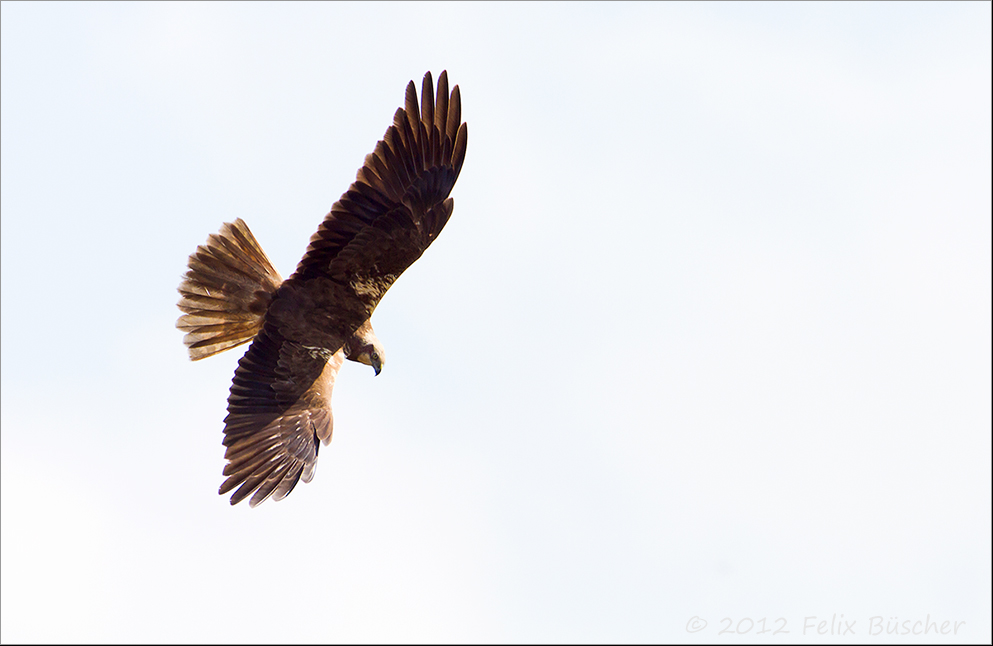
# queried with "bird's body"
point(302, 329)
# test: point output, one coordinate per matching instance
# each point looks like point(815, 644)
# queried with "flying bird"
point(303, 328)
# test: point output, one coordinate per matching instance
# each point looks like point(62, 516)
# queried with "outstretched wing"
point(279, 411)
point(279, 408)
point(396, 206)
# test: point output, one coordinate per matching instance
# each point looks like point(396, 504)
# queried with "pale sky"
point(704, 346)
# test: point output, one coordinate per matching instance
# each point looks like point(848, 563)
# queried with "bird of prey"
point(303, 328)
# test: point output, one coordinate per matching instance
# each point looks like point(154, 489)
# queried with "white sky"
point(708, 334)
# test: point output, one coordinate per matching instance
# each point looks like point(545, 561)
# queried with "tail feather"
point(226, 291)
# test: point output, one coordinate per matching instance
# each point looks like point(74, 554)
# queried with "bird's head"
point(374, 356)
point(365, 347)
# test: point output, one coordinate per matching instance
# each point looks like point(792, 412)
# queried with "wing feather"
point(410, 103)
point(271, 482)
point(250, 484)
point(427, 99)
point(454, 114)
point(441, 103)
point(458, 150)
point(288, 482)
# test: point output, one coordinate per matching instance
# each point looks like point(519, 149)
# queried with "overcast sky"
point(704, 346)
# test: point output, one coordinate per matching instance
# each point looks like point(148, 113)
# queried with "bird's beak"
point(377, 365)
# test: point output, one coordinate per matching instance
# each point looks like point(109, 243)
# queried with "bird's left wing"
point(279, 411)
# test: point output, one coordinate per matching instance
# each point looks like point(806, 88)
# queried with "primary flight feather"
point(302, 329)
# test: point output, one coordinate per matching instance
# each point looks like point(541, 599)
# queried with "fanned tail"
point(226, 291)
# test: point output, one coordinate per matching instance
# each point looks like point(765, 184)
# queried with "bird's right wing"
point(398, 192)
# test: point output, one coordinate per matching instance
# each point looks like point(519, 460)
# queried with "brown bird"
point(302, 329)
